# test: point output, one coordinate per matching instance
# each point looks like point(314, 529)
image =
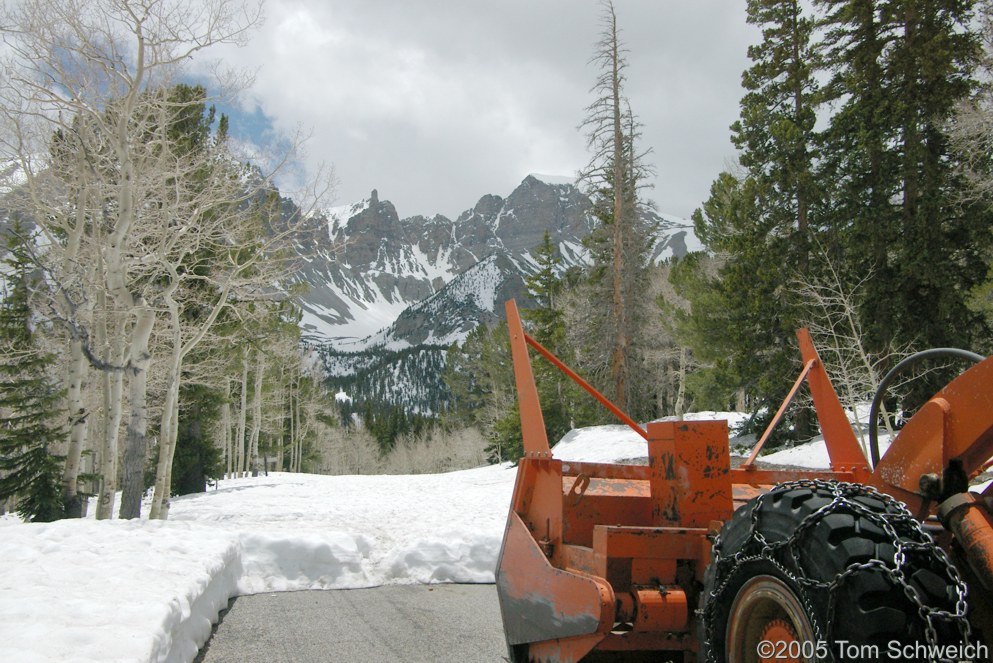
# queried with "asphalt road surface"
point(393, 624)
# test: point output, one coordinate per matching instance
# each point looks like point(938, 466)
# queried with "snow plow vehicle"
point(689, 559)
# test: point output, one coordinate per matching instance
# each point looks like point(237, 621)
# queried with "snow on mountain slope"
point(473, 297)
point(675, 238)
point(380, 285)
point(373, 266)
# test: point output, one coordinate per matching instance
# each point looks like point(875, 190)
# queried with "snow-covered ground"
point(142, 591)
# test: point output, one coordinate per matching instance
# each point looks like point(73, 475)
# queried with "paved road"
point(394, 624)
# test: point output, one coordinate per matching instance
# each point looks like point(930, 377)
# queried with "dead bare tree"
point(614, 175)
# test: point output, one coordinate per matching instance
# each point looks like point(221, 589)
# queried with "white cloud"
point(436, 103)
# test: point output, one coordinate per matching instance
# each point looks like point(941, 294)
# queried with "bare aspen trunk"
point(169, 419)
point(285, 392)
point(164, 513)
point(226, 427)
point(76, 379)
point(297, 441)
point(132, 483)
point(113, 399)
point(77, 430)
point(113, 406)
point(167, 445)
point(256, 413)
point(681, 388)
point(242, 416)
point(290, 439)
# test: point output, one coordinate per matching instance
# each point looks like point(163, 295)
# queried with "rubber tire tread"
point(870, 608)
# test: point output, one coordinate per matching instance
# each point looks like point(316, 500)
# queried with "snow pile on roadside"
point(812, 455)
point(79, 590)
point(300, 531)
point(82, 590)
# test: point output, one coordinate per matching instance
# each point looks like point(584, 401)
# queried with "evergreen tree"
point(775, 134)
point(564, 405)
point(197, 458)
point(898, 213)
point(858, 160)
point(545, 286)
point(29, 401)
point(743, 323)
point(887, 200)
point(481, 379)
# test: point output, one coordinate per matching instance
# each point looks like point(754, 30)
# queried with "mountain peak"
point(554, 180)
point(381, 264)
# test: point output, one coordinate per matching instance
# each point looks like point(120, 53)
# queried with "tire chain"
point(895, 514)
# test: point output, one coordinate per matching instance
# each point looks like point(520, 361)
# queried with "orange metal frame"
point(610, 557)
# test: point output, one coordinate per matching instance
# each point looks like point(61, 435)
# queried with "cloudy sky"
point(437, 102)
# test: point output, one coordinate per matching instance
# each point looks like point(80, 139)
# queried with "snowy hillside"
point(473, 297)
point(379, 284)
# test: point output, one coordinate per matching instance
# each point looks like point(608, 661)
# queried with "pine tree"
point(775, 134)
point(29, 401)
point(742, 324)
point(197, 458)
point(937, 259)
point(900, 68)
point(563, 404)
point(545, 286)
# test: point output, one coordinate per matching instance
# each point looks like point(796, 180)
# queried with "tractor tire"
point(823, 571)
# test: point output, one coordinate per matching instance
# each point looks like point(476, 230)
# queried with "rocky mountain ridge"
point(376, 279)
point(387, 295)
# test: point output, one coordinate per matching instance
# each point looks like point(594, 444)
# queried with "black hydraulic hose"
point(899, 368)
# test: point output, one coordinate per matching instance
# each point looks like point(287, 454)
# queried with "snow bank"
point(137, 591)
point(813, 455)
point(112, 591)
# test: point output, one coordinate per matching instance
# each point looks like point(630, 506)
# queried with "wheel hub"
point(781, 634)
point(765, 618)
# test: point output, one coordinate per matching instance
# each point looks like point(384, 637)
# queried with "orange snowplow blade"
point(610, 558)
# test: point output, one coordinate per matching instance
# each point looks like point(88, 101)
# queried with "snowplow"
point(687, 558)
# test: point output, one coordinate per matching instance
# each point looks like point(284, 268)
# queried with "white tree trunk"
point(135, 449)
point(77, 432)
point(164, 513)
point(169, 418)
point(226, 427)
point(167, 445)
point(256, 413)
point(242, 417)
point(294, 421)
point(113, 401)
point(681, 385)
